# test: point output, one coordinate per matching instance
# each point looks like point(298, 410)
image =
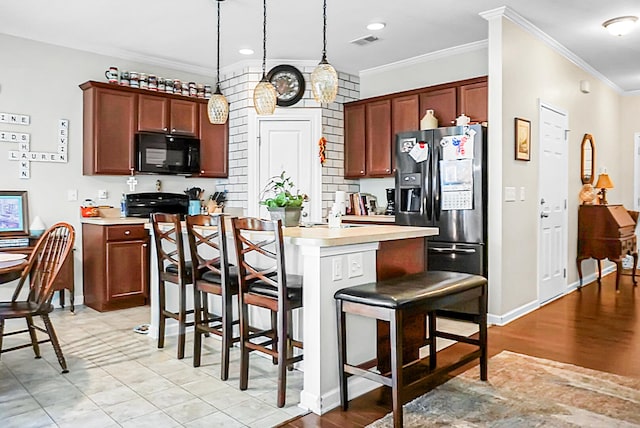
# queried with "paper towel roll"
point(340, 196)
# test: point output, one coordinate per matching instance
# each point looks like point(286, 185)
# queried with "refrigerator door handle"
point(436, 178)
point(453, 250)
point(427, 183)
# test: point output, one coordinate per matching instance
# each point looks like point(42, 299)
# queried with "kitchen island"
point(330, 259)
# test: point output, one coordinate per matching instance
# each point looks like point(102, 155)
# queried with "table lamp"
point(604, 183)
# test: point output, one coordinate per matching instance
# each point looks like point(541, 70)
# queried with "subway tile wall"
point(238, 88)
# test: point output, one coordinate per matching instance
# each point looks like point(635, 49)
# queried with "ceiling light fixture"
point(246, 51)
point(218, 106)
point(324, 79)
point(375, 26)
point(264, 95)
point(621, 25)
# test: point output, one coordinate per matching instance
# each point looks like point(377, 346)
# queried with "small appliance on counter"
point(391, 202)
point(145, 204)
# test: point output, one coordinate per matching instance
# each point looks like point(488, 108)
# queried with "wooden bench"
point(458, 295)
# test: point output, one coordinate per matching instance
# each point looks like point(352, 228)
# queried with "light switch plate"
point(102, 194)
point(509, 194)
point(336, 273)
point(72, 195)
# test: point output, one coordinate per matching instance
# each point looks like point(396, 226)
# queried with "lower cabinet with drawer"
point(115, 260)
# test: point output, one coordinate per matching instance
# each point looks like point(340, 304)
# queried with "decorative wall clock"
point(289, 84)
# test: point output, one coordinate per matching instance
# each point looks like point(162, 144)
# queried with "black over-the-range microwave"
point(167, 154)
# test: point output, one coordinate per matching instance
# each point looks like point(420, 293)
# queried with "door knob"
point(544, 214)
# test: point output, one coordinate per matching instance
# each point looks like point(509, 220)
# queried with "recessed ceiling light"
point(246, 51)
point(374, 26)
point(621, 25)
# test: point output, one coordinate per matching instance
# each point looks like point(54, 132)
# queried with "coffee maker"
point(391, 202)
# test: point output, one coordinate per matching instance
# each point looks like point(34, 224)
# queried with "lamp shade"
point(218, 109)
point(264, 97)
point(324, 83)
point(604, 182)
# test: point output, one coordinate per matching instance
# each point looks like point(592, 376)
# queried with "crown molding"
point(526, 25)
point(432, 56)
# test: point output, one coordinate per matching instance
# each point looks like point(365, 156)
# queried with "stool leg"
point(197, 320)
point(483, 334)
point(433, 351)
point(342, 355)
point(395, 328)
point(163, 315)
point(182, 320)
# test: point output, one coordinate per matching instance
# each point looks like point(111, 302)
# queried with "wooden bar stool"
point(394, 299)
point(174, 269)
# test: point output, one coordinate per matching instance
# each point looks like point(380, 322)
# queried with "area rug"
point(524, 391)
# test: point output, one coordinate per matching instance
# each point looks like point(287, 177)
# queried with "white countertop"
point(322, 236)
point(110, 221)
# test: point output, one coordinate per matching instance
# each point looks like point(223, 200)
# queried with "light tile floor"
point(120, 378)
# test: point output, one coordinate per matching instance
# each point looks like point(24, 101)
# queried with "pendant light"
point(264, 95)
point(218, 107)
point(324, 79)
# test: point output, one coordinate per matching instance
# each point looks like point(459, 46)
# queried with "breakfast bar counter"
point(330, 259)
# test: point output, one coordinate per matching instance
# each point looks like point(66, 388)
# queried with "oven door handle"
point(452, 250)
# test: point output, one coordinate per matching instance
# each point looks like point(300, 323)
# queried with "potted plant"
point(282, 199)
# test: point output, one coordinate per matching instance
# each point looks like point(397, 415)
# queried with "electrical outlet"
point(337, 269)
point(72, 195)
point(102, 194)
point(355, 265)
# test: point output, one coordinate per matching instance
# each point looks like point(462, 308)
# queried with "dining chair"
point(40, 273)
point(174, 269)
point(212, 275)
point(264, 283)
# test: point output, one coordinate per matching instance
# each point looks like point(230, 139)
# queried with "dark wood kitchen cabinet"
point(115, 260)
point(109, 124)
point(114, 114)
point(442, 102)
point(472, 101)
point(157, 113)
point(371, 124)
point(214, 147)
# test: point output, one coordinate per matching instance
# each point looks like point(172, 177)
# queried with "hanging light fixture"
point(218, 107)
point(264, 95)
point(324, 79)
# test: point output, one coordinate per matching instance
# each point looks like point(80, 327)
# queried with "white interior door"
point(636, 177)
point(285, 141)
point(553, 175)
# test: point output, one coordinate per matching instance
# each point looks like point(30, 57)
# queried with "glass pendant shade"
point(218, 109)
point(264, 97)
point(324, 83)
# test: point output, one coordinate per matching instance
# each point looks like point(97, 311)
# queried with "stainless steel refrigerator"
point(441, 181)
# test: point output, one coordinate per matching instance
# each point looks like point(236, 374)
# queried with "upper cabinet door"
point(354, 137)
point(404, 114)
point(472, 101)
point(443, 104)
point(109, 129)
point(378, 138)
point(153, 113)
point(214, 147)
point(184, 117)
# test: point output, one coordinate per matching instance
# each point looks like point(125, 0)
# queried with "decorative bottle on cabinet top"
point(429, 121)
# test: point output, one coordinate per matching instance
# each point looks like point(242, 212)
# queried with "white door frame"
point(313, 115)
point(565, 252)
point(636, 171)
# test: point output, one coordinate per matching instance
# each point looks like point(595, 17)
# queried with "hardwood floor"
point(595, 328)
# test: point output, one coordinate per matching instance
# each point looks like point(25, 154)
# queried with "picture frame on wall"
point(522, 139)
point(14, 213)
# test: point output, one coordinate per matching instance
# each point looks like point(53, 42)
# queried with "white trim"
point(330, 400)
point(431, 56)
point(313, 115)
point(636, 171)
point(526, 25)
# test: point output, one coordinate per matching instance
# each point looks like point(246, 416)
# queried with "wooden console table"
point(65, 280)
point(606, 232)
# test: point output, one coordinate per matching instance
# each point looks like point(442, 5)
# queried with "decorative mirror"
point(587, 159)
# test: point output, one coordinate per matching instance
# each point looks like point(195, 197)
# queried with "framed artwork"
point(523, 139)
point(14, 218)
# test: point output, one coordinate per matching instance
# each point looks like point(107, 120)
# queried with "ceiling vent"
point(364, 40)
